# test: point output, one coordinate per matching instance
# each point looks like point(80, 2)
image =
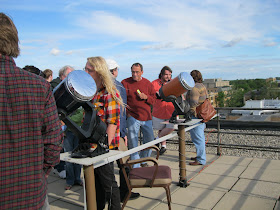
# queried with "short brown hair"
point(8, 37)
point(48, 73)
point(138, 65)
point(197, 76)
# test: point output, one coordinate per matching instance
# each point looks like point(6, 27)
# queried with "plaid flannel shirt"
point(30, 137)
point(108, 109)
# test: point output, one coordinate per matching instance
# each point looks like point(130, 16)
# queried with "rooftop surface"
point(225, 182)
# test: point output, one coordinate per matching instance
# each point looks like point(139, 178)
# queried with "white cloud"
point(154, 32)
point(100, 22)
point(55, 51)
point(178, 24)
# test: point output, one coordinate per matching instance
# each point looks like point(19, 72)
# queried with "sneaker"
point(62, 174)
point(162, 150)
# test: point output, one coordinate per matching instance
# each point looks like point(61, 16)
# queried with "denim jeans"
point(198, 138)
point(134, 126)
point(73, 171)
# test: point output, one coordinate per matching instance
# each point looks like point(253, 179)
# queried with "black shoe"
point(133, 196)
point(162, 150)
point(158, 145)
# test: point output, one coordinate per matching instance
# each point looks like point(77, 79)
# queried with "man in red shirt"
point(162, 110)
point(140, 96)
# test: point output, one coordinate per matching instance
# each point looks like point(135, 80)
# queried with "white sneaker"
point(62, 174)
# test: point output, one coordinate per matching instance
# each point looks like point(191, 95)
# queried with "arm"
point(112, 113)
point(111, 130)
point(194, 100)
point(150, 97)
point(51, 133)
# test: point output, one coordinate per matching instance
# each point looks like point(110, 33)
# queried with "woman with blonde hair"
point(107, 102)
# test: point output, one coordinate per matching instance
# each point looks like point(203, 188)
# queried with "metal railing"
point(230, 124)
point(218, 125)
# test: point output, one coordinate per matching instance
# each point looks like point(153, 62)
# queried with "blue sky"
point(223, 39)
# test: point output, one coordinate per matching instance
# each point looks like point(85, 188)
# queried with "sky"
point(238, 39)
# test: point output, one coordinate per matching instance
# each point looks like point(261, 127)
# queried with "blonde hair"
point(100, 66)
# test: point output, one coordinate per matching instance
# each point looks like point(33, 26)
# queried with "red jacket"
point(161, 109)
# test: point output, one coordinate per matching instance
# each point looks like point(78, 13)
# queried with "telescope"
point(76, 91)
point(172, 91)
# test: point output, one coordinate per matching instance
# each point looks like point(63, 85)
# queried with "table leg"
point(90, 187)
point(182, 156)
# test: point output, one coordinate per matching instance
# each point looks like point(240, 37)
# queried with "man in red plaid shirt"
point(30, 133)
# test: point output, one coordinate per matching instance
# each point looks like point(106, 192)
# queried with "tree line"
point(255, 89)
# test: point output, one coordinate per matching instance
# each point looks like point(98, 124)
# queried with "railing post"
point(219, 148)
point(182, 156)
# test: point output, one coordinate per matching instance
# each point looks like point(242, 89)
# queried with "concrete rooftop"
point(226, 182)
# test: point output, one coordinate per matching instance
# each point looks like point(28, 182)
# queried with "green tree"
point(236, 99)
point(221, 99)
point(258, 89)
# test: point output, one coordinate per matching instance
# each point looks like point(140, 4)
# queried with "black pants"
point(106, 188)
point(123, 186)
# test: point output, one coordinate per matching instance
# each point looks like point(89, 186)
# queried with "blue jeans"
point(133, 126)
point(73, 171)
point(198, 138)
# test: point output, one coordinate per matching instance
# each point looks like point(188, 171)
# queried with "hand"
point(125, 140)
point(143, 96)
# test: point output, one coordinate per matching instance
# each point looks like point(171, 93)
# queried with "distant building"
point(271, 79)
point(214, 86)
point(273, 103)
point(214, 83)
